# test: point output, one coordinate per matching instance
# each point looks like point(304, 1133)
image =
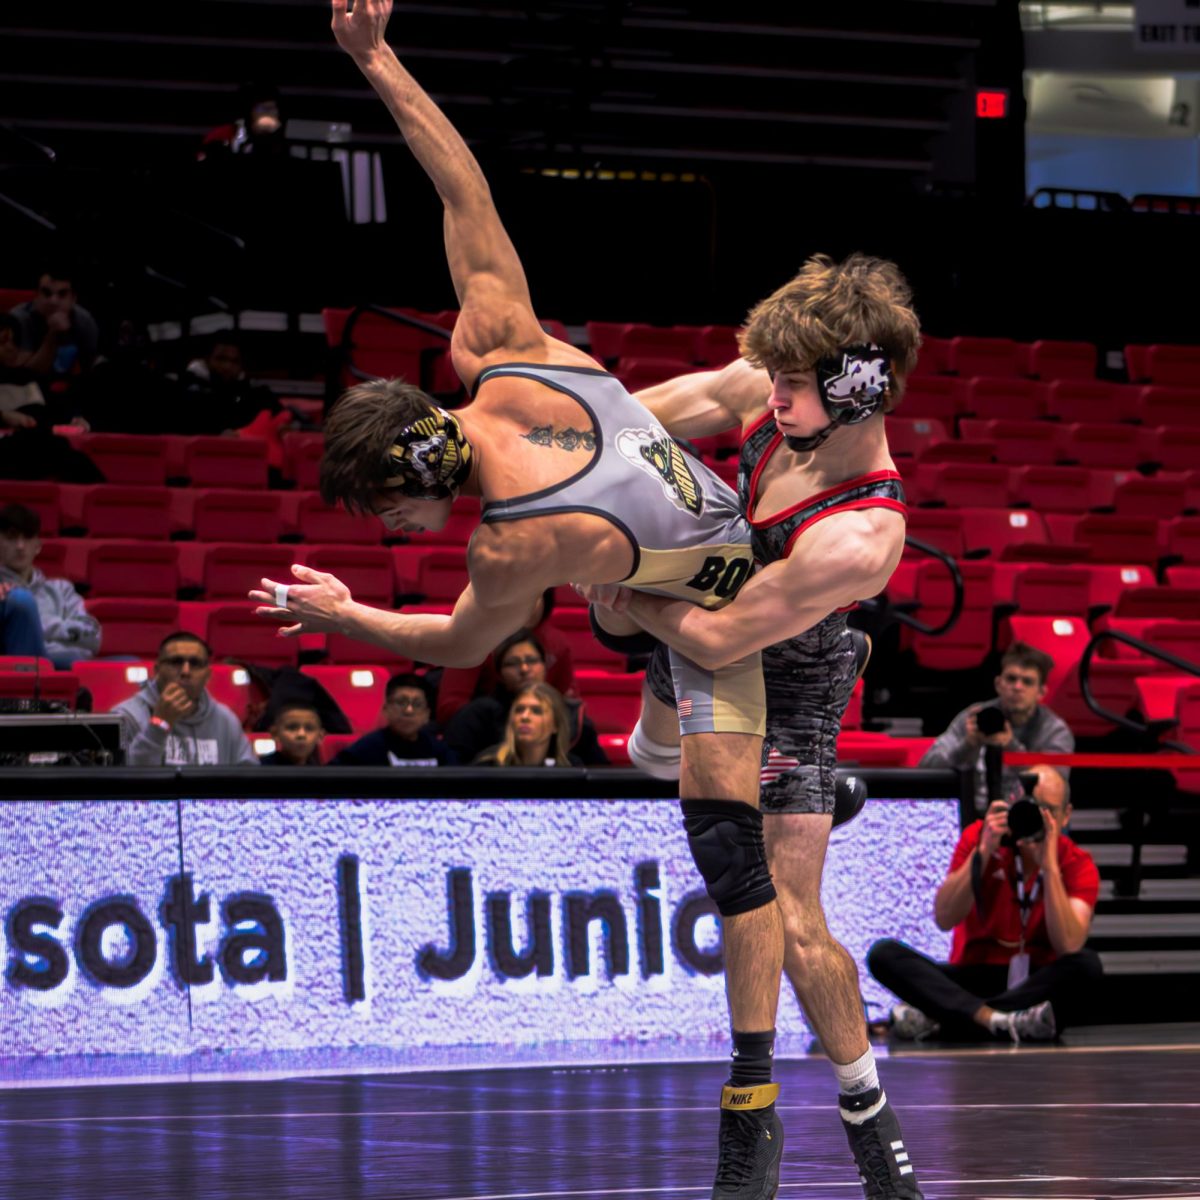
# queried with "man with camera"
point(1019, 897)
point(1016, 720)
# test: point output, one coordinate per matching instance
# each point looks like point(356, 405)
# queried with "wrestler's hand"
point(360, 31)
point(612, 596)
point(316, 602)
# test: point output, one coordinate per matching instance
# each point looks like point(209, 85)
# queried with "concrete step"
point(1156, 890)
point(1113, 925)
point(1092, 820)
point(1120, 854)
point(1151, 962)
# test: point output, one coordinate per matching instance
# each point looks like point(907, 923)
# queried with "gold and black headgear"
point(431, 458)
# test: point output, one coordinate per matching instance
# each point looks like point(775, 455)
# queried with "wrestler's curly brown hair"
point(359, 434)
point(829, 305)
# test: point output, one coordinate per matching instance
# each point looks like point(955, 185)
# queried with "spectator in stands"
point(173, 721)
point(21, 399)
point(40, 616)
point(520, 659)
point(59, 333)
point(1027, 723)
point(221, 396)
point(405, 741)
point(460, 685)
point(1020, 912)
point(298, 732)
point(537, 733)
point(258, 129)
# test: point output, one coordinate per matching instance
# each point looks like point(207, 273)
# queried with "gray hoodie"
point(66, 624)
point(211, 737)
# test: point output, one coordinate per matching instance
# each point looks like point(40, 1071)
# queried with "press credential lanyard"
point(1018, 966)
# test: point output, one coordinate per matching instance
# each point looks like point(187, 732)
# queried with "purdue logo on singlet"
point(654, 451)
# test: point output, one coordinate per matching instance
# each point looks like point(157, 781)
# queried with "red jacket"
point(994, 936)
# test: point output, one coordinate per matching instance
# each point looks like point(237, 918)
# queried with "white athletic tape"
point(657, 760)
point(281, 593)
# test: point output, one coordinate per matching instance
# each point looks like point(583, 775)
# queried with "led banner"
point(310, 925)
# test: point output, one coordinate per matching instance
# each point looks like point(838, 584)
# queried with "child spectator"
point(403, 741)
point(299, 733)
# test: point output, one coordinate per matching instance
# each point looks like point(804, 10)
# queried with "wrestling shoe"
point(1034, 1024)
point(912, 1024)
point(750, 1144)
point(878, 1147)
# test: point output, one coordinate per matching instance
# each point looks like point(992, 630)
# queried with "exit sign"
point(991, 102)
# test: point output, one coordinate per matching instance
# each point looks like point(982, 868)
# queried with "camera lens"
point(990, 720)
point(1025, 820)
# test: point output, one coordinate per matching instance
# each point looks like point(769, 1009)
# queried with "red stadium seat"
point(382, 347)
point(1137, 363)
point(604, 339)
point(612, 700)
point(133, 569)
point(234, 632)
point(936, 397)
point(986, 356)
point(230, 685)
point(1116, 539)
point(933, 357)
point(1175, 366)
point(908, 436)
point(676, 345)
point(1053, 489)
point(41, 498)
point(1173, 448)
point(1062, 360)
point(127, 458)
point(1110, 580)
point(1090, 401)
point(1050, 589)
point(1002, 399)
point(442, 576)
point(366, 570)
point(302, 458)
point(134, 627)
point(229, 515)
point(1184, 576)
point(638, 373)
point(586, 652)
point(111, 683)
point(52, 561)
point(334, 742)
point(615, 747)
point(1017, 443)
point(315, 521)
point(1139, 496)
point(1112, 446)
point(358, 691)
point(231, 570)
point(967, 643)
point(1173, 406)
point(1183, 539)
point(1174, 603)
point(35, 685)
point(959, 485)
point(110, 510)
point(464, 519)
point(225, 462)
point(716, 345)
point(995, 529)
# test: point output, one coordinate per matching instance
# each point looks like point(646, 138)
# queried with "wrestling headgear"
point(854, 385)
point(431, 458)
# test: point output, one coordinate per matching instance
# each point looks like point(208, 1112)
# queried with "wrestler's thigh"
point(720, 766)
point(659, 721)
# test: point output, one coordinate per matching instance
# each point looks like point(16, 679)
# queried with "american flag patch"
point(776, 765)
point(684, 708)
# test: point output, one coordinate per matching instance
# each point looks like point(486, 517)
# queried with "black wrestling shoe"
point(750, 1144)
point(878, 1147)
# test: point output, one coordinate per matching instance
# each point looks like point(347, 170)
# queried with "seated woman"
point(538, 733)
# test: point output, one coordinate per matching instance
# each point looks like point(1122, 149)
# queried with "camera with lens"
point(990, 720)
point(1025, 816)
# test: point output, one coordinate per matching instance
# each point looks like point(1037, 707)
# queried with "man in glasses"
point(403, 741)
point(173, 721)
point(1021, 909)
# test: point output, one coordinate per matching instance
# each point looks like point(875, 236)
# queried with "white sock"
point(857, 1076)
point(999, 1022)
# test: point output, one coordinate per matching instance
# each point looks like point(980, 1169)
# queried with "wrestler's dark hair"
point(359, 434)
point(829, 306)
point(183, 635)
point(1021, 654)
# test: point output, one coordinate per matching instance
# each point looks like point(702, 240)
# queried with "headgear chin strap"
point(431, 458)
point(854, 384)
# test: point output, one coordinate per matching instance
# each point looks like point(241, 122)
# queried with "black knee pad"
point(849, 796)
point(726, 841)
point(630, 644)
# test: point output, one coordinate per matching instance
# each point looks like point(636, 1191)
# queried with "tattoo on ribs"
point(564, 439)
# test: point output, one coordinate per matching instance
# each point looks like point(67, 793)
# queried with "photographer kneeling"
point(1019, 897)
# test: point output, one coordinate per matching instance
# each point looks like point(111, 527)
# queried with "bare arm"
point(838, 562)
point(955, 897)
point(1068, 918)
point(707, 402)
point(497, 312)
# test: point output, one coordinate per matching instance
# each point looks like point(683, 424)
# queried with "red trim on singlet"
point(850, 505)
point(800, 505)
point(756, 425)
